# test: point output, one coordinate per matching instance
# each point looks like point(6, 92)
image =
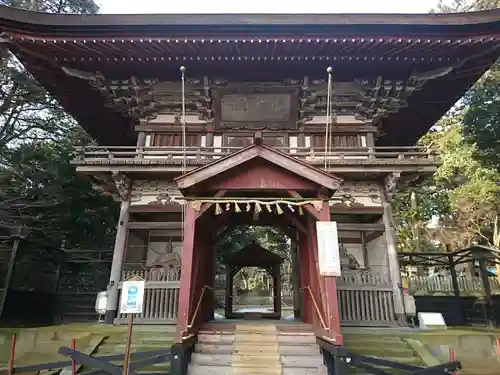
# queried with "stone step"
point(195, 369)
point(297, 339)
point(289, 339)
point(305, 371)
point(305, 349)
point(260, 360)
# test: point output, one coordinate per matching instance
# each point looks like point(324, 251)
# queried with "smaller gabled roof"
point(253, 255)
point(254, 152)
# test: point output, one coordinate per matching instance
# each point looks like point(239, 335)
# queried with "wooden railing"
point(200, 155)
point(161, 296)
point(425, 285)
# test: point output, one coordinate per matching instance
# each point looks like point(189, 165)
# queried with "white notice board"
point(132, 297)
point(328, 248)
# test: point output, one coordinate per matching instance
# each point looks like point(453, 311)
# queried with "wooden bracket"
point(307, 207)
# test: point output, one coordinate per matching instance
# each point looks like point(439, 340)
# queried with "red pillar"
point(305, 278)
point(186, 283)
point(330, 283)
point(315, 280)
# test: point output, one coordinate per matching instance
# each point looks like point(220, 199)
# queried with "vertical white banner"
point(328, 248)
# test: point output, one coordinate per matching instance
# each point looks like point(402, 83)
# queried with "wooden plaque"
point(255, 107)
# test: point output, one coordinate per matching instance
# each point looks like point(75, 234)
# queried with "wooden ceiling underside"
point(360, 47)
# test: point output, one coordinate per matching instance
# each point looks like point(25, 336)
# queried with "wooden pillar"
point(490, 313)
point(141, 142)
point(392, 257)
point(186, 287)
point(330, 285)
point(277, 289)
point(117, 262)
point(456, 289)
point(228, 306)
point(209, 139)
point(295, 278)
point(306, 308)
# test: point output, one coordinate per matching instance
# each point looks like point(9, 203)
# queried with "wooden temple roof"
point(253, 255)
point(452, 49)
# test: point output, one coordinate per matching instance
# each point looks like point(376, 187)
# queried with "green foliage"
point(482, 118)
point(42, 192)
point(268, 237)
point(55, 6)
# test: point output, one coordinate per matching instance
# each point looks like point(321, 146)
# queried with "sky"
point(266, 6)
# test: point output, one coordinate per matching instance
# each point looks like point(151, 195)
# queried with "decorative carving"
point(162, 261)
point(162, 200)
point(347, 260)
point(366, 100)
point(390, 183)
point(146, 99)
point(123, 185)
point(356, 195)
point(160, 192)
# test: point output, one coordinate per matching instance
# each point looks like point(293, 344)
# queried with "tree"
point(55, 6)
point(45, 195)
point(464, 6)
point(482, 117)
point(27, 111)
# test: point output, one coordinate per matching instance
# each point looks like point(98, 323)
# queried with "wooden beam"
point(174, 207)
point(206, 206)
point(295, 222)
point(307, 207)
point(361, 227)
point(154, 225)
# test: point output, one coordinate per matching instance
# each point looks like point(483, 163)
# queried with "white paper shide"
point(328, 248)
point(132, 297)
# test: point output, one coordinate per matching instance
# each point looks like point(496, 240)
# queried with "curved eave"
point(484, 22)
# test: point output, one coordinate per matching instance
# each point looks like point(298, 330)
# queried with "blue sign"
point(132, 297)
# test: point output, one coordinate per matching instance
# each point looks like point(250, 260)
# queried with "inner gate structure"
point(299, 195)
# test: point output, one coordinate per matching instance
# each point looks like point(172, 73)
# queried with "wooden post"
point(295, 278)
point(128, 344)
point(228, 298)
point(490, 314)
point(306, 308)
point(73, 362)
point(392, 257)
point(277, 289)
point(12, 355)
point(117, 262)
point(456, 289)
point(185, 289)
point(330, 285)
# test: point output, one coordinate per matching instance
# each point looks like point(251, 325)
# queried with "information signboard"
point(132, 297)
point(328, 248)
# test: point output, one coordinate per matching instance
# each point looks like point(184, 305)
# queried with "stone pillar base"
point(109, 317)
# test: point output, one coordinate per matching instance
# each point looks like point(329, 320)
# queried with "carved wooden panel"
point(274, 141)
point(238, 141)
point(255, 107)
